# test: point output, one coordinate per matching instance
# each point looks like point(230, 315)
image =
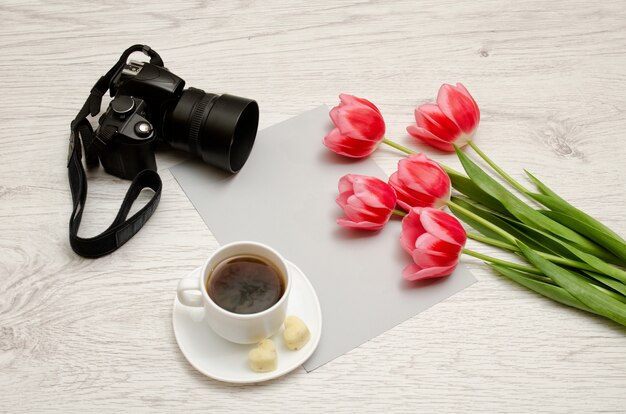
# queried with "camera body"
point(150, 107)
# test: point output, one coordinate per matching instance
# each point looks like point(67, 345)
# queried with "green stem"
point(554, 259)
point(399, 213)
point(511, 265)
point(398, 146)
point(491, 242)
point(482, 221)
point(499, 170)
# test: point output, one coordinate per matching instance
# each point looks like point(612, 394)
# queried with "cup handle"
point(188, 291)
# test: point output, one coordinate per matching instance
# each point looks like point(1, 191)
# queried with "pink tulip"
point(359, 127)
point(420, 182)
point(453, 120)
point(434, 239)
point(366, 201)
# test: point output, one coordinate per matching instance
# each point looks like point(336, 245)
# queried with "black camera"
point(151, 108)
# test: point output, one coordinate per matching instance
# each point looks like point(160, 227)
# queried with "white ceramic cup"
point(235, 327)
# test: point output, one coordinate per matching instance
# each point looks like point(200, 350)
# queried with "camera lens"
point(220, 129)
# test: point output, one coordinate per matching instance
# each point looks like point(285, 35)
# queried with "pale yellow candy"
point(296, 333)
point(263, 358)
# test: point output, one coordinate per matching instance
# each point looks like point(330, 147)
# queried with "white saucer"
point(225, 361)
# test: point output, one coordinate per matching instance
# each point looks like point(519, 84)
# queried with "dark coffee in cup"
point(245, 284)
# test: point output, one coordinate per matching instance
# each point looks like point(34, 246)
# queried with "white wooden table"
point(81, 335)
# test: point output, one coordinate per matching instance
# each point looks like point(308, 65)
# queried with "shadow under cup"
point(245, 328)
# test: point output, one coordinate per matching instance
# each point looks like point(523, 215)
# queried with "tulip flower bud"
point(366, 201)
point(359, 127)
point(420, 182)
point(453, 120)
point(434, 239)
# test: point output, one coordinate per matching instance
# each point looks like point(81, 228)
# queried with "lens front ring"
point(219, 129)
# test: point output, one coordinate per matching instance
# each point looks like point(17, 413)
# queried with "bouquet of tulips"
point(570, 257)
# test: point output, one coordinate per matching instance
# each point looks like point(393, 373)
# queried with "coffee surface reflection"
point(245, 284)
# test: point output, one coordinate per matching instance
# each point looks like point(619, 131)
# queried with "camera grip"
point(122, 229)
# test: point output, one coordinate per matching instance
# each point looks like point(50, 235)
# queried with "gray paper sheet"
point(285, 197)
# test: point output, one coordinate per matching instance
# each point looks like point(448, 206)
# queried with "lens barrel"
point(220, 129)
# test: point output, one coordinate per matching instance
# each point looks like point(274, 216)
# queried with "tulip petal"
point(407, 239)
point(355, 100)
point(356, 151)
point(347, 146)
point(362, 122)
point(419, 173)
point(346, 183)
point(461, 88)
point(431, 244)
point(408, 203)
point(336, 115)
point(375, 192)
point(356, 210)
point(459, 106)
point(443, 226)
point(431, 118)
point(412, 228)
point(363, 225)
point(433, 259)
point(408, 200)
point(426, 137)
point(414, 272)
point(342, 199)
point(431, 251)
point(371, 191)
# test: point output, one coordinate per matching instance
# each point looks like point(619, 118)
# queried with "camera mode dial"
point(122, 105)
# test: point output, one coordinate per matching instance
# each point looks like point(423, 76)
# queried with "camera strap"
point(122, 229)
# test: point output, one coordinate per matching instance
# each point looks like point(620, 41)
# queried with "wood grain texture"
point(82, 335)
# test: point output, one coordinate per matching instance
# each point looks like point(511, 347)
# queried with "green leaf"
point(610, 282)
point(616, 246)
point(521, 210)
point(555, 293)
point(598, 264)
point(484, 230)
point(557, 203)
point(568, 251)
point(579, 287)
point(464, 185)
point(474, 223)
point(536, 239)
point(557, 245)
point(479, 206)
